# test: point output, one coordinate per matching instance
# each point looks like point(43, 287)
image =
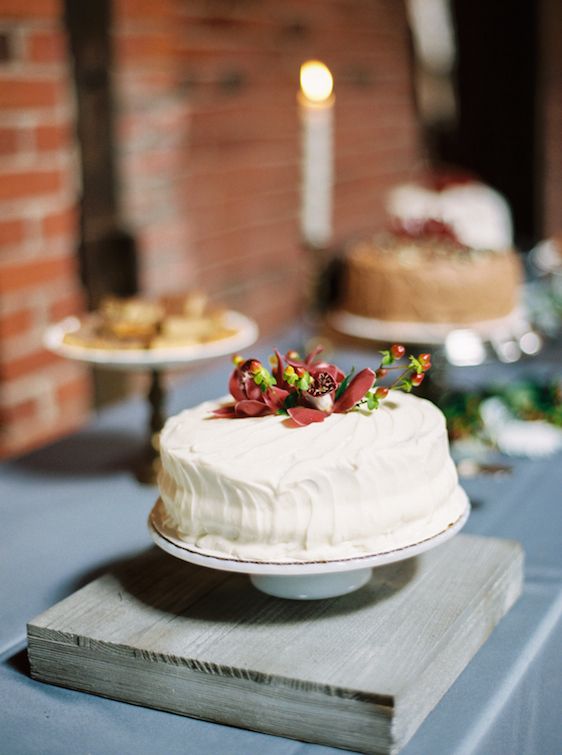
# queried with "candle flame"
point(316, 80)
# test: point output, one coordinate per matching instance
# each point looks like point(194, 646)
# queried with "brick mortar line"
point(35, 205)
point(23, 388)
point(23, 70)
point(38, 160)
point(45, 115)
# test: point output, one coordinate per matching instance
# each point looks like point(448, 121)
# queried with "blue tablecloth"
point(70, 510)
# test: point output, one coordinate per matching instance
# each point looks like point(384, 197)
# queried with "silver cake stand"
point(155, 361)
point(296, 580)
point(509, 337)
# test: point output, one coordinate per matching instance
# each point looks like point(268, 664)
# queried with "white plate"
point(296, 579)
point(158, 358)
point(423, 333)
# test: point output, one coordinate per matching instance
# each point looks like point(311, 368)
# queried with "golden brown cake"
point(429, 279)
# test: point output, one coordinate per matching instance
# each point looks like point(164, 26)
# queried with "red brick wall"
point(208, 155)
point(41, 396)
point(210, 134)
point(152, 123)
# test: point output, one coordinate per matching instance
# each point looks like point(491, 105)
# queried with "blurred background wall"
point(41, 396)
point(155, 146)
point(171, 129)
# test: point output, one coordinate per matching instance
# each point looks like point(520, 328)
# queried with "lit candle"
point(316, 106)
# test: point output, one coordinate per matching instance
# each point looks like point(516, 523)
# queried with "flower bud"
point(425, 361)
point(252, 365)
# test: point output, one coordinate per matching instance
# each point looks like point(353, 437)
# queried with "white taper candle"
point(316, 108)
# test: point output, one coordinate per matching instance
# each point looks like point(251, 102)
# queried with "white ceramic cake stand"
point(155, 361)
point(297, 580)
point(509, 336)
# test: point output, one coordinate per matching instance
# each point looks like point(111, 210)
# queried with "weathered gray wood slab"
point(359, 672)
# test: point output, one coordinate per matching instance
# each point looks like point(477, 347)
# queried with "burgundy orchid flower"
point(321, 393)
point(253, 397)
point(309, 391)
point(354, 392)
point(314, 367)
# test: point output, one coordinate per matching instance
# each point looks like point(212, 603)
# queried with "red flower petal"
point(339, 376)
point(295, 362)
point(314, 353)
point(225, 411)
point(278, 370)
point(355, 391)
point(235, 386)
point(303, 416)
point(274, 397)
point(253, 392)
point(251, 408)
point(331, 369)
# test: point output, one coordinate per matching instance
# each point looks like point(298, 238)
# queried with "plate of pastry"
point(140, 333)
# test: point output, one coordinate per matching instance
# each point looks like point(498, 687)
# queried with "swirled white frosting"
point(358, 483)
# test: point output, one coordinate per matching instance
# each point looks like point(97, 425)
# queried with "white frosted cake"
point(359, 482)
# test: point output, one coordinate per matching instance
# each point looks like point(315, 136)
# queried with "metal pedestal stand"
point(149, 467)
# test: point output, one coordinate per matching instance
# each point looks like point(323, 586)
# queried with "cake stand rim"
point(295, 568)
point(360, 326)
point(246, 334)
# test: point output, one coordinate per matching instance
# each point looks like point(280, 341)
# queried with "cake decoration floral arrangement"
point(308, 389)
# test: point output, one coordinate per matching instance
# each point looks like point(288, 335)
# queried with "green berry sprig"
point(411, 376)
point(298, 377)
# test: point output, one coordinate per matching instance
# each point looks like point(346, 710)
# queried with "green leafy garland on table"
point(526, 400)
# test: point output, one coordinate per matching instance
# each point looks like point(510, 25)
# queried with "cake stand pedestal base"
point(149, 467)
point(296, 580)
point(312, 586)
point(360, 672)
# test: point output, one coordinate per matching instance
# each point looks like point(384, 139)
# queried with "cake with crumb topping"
point(422, 273)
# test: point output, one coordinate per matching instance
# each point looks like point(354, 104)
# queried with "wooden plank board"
point(360, 672)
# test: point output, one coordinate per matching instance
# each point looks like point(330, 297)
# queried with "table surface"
point(72, 509)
